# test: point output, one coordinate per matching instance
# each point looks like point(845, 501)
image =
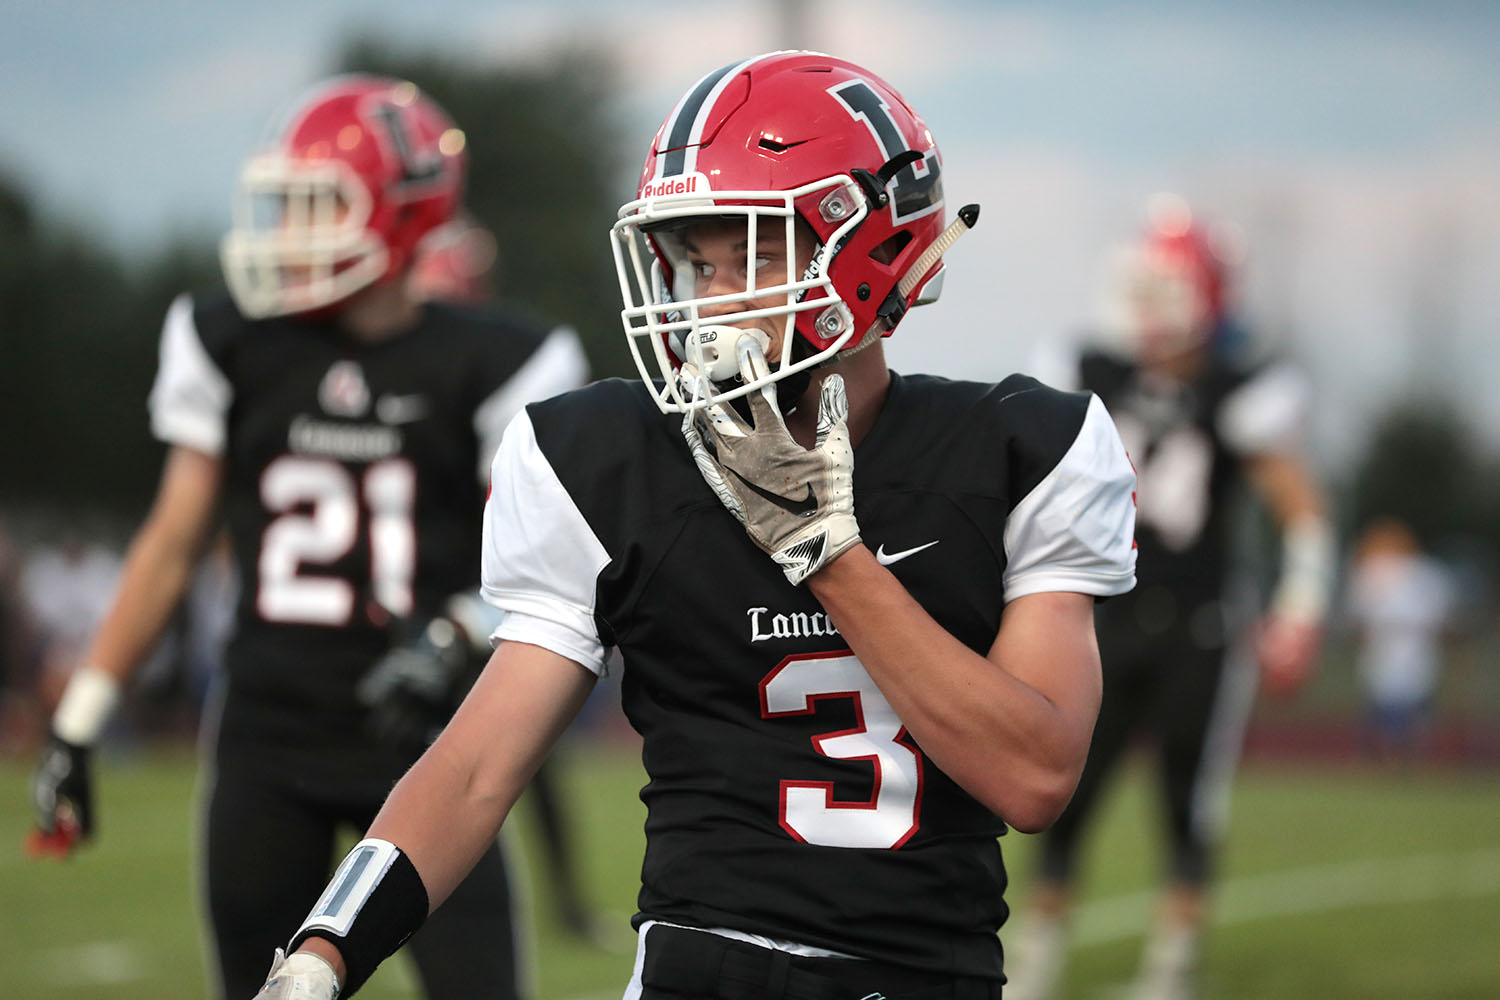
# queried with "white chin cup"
point(713, 350)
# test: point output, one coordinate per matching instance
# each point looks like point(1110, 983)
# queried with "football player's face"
point(719, 254)
point(301, 219)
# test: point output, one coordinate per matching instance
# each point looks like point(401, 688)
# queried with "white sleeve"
point(1076, 530)
point(190, 399)
point(540, 559)
point(557, 365)
point(1267, 413)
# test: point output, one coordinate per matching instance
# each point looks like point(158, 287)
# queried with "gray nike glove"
point(796, 504)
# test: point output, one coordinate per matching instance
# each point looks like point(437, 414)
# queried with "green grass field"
point(1337, 882)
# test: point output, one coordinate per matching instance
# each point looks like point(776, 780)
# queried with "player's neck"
point(866, 381)
point(379, 312)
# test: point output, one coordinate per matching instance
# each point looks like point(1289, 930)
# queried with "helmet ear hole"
point(887, 252)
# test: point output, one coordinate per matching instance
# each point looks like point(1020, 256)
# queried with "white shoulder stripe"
point(1268, 412)
point(540, 559)
point(557, 365)
point(1076, 530)
point(189, 402)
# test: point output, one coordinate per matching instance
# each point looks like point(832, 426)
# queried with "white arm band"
point(1302, 592)
point(374, 903)
point(86, 706)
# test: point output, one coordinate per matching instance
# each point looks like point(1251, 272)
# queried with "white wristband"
point(1302, 592)
point(86, 706)
point(313, 977)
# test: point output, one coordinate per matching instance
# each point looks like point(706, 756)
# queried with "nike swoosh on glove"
point(797, 504)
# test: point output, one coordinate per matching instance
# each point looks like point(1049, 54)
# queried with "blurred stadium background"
point(1356, 147)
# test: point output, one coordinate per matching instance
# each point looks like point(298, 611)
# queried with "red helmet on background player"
point(782, 140)
point(1167, 292)
point(455, 263)
point(338, 199)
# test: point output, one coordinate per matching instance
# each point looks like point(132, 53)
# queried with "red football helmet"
point(781, 140)
point(339, 198)
point(455, 263)
point(1167, 291)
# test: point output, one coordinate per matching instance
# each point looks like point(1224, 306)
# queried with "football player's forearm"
point(154, 577)
point(159, 563)
point(444, 813)
point(1309, 548)
point(1011, 746)
point(440, 818)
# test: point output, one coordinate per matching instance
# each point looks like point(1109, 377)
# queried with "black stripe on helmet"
point(680, 134)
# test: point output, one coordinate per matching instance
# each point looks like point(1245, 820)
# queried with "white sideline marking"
point(1313, 889)
point(95, 962)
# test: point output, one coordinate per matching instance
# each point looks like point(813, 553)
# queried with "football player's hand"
point(797, 504)
point(412, 690)
point(1288, 652)
point(63, 796)
point(299, 976)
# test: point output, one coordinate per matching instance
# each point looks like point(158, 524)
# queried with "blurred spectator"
point(1203, 417)
point(67, 589)
point(1400, 600)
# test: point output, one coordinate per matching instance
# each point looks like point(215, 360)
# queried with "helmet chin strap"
point(874, 333)
point(967, 217)
point(797, 383)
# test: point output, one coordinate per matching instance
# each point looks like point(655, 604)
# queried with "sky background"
point(1356, 145)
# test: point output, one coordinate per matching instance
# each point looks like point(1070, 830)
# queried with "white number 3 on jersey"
point(808, 809)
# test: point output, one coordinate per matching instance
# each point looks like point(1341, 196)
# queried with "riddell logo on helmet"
point(681, 184)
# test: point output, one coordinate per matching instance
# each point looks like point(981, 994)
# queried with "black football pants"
point(683, 964)
point(269, 852)
point(1165, 686)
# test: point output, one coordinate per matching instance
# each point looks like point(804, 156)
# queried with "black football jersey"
point(353, 484)
point(785, 798)
point(1188, 441)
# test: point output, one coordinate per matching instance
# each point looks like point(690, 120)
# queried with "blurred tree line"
point(79, 322)
point(1426, 466)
